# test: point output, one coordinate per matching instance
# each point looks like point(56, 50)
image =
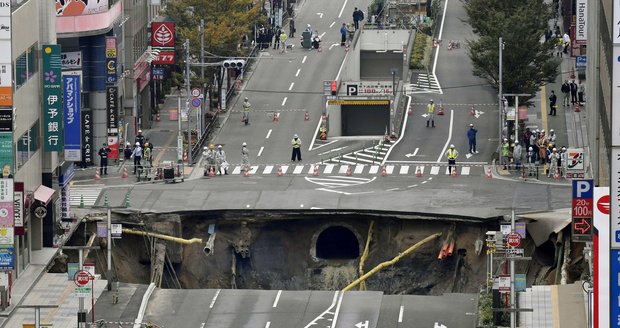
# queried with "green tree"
point(528, 61)
point(226, 23)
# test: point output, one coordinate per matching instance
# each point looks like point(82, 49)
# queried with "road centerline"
point(260, 151)
point(298, 70)
point(275, 302)
point(284, 101)
point(400, 314)
point(291, 86)
point(342, 9)
point(217, 293)
point(268, 134)
point(304, 60)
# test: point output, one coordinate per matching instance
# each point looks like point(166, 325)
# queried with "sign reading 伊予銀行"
point(52, 98)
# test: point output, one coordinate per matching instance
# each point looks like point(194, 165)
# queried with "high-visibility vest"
point(296, 143)
point(431, 108)
point(452, 153)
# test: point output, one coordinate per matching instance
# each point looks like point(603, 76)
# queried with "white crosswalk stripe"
point(368, 155)
point(90, 194)
point(424, 83)
point(342, 169)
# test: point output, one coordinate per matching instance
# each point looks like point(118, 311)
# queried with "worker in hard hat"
point(136, 154)
point(208, 154)
point(245, 157)
point(554, 158)
point(471, 137)
point(296, 143)
point(430, 112)
point(247, 107)
point(452, 154)
point(506, 154)
point(222, 164)
point(140, 138)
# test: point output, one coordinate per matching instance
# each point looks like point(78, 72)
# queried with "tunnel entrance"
point(337, 243)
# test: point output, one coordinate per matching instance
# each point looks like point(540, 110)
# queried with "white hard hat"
point(244, 144)
point(295, 135)
point(542, 131)
point(451, 146)
point(246, 98)
point(551, 130)
point(555, 149)
point(505, 139)
point(205, 148)
point(530, 149)
point(431, 100)
point(137, 144)
point(128, 143)
point(139, 131)
point(516, 142)
point(219, 146)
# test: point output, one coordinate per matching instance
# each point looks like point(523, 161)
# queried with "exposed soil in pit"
point(283, 254)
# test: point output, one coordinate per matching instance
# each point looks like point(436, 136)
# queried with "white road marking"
point(320, 316)
point(443, 151)
point(260, 151)
point(268, 169)
point(304, 60)
point(275, 302)
point(342, 294)
point(321, 35)
point(268, 134)
point(268, 324)
point(311, 168)
point(415, 152)
point(423, 182)
point(320, 15)
point(332, 24)
point(291, 86)
point(400, 314)
point(328, 169)
point(435, 170)
point(298, 70)
point(402, 133)
point(236, 170)
point(421, 168)
point(284, 168)
point(345, 4)
point(253, 169)
point(374, 169)
point(217, 293)
point(404, 169)
point(389, 169)
point(284, 101)
point(333, 45)
point(331, 150)
point(465, 170)
point(393, 189)
point(343, 169)
point(298, 169)
point(359, 169)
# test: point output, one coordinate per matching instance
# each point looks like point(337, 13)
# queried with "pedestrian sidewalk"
point(569, 126)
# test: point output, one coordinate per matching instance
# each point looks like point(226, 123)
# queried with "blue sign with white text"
point(580, 62)
point(71, 104)
point(614, 294)
point(7, 258)
point(583, 189)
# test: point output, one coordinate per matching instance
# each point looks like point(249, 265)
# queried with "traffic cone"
point(316, 170)
point(185, 156)
point(307, 116)
point(472, 112)
point(453, 172)
point(409, 111)
point(211, 172)
point(384, 172)
point(246, 173)
point(157, 117)
point(577, 109)
point(418, 172)
point(280, 171)
point(97, 176)
point(320, 49)
point(276, 117)
point(349, 172)
point(440, 112)
point(81, 201)
point(125, 173)
point(488, 172)
point(556, 175)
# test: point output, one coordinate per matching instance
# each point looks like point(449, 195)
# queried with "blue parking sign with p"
point(583, 189)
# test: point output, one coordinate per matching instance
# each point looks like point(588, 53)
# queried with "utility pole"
point(517, 95)
point(202, 77)
point(187, 91)
point(501, 95)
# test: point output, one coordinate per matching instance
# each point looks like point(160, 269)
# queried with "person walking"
point(136, 154)
point(221, 160)
point(296, 143)
point(358, 15)
point(247, 107)
point(506, 153)
point(565, 92)
point(573, 92)
point(245, 157)
point(471, 136)
point(452, 154)
point(517, 155)
point(430, 113)
point(566, 41)
point(581, 92)
point(552, 103)
point(103, 154)
point(343, 34)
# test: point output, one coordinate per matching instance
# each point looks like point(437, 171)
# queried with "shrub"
point(421, 51)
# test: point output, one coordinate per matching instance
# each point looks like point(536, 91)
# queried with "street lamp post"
point(187, 92)
point(501, 95)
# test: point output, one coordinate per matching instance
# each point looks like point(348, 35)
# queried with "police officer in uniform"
point(103, 153)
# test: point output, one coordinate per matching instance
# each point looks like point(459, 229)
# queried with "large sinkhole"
point(337, 243)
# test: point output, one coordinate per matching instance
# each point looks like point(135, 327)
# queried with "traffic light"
point(334, 88)
point(234, 63)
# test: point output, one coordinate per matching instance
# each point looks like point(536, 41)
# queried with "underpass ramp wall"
point(378, 66)
point(365, 120)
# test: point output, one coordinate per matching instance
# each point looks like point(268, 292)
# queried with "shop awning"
point(44, 194)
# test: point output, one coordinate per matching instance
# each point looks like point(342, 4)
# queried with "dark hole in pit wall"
point(337, 243)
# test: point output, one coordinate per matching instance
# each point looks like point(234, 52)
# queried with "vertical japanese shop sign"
point(110, 58)
point(52, 98)
point(6, 202)
point(6, 69)
point(18, 209)
point(71, 88)
point(112, 110)
point(162, 39)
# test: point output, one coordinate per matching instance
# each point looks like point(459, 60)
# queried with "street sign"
point(503, 283)
point(513, 239)
point(514, 252)
point(603, 204)
point(196, 102)
point(195, 92)
point(81, 278)
point(615, 288)
point(580, 62)
point(582, 229)
point(157, 73)
point(82, 292)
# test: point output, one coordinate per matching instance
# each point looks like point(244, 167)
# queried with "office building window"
point(25, 66)
point(27, 145)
